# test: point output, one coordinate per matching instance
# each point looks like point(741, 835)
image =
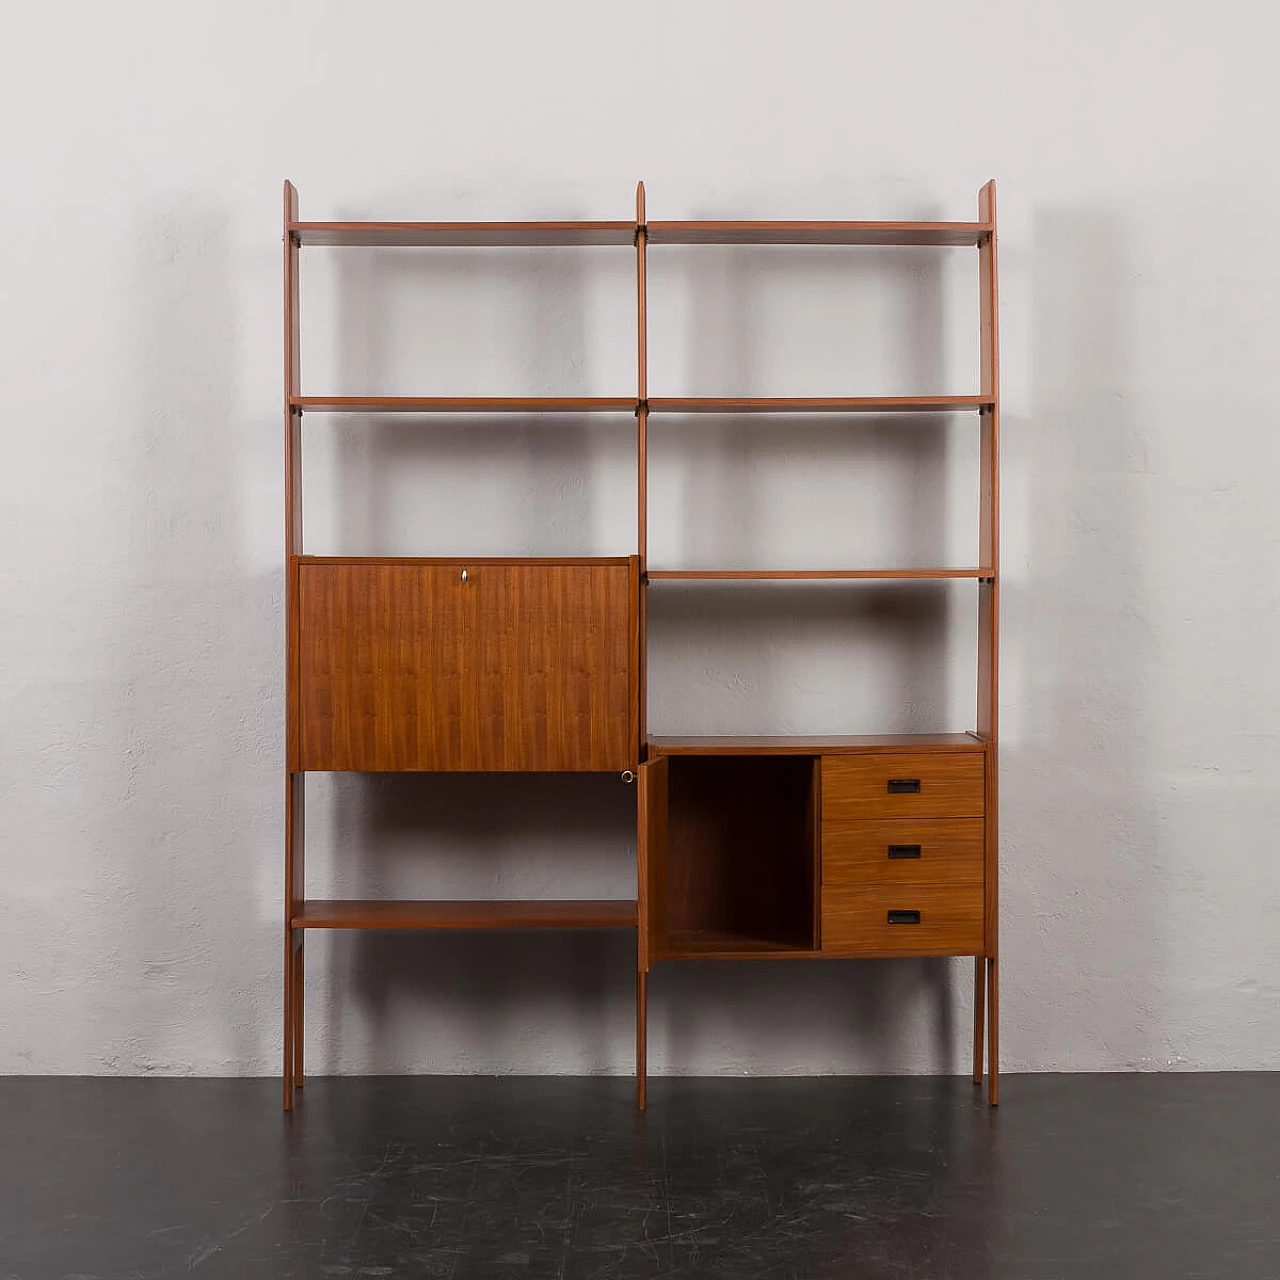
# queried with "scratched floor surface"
point(1076, 1176)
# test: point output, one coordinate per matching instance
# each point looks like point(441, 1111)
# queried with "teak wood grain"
point(902, 851)
point(958, 234)
point(294, 842)
point(463, 404)
point(814, 744)
point(837, 405)
point(652, 822)
point(521, 666)
point(855, 919)
point(607, 913)
point(800, 575)
point(478, 235)
point(988, 715)
point(951, 785)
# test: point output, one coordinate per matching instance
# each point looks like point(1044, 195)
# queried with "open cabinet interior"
point(740, 855)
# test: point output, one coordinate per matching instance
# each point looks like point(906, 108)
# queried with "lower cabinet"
point(875, 853)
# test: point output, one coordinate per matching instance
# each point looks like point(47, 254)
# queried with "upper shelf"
point(461, 235)
point(627, 404)
point(819, 404)
point(498, 234)
point(866, 233)
point(463, 404)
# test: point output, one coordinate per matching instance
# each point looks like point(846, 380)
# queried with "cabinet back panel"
point(741, 856)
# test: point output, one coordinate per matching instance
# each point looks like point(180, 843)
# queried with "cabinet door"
point(549, 681)
point(651, 876)
point(381, 662)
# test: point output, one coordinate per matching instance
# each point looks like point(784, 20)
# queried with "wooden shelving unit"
point(748, 847)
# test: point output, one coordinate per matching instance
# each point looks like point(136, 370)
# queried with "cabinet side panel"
point(552, 680)
point(380, 648)
point(652, 860)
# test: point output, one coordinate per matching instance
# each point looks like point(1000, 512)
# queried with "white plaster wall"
point(140, 513)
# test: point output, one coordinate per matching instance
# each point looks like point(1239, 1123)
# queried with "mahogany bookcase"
point(748, 848)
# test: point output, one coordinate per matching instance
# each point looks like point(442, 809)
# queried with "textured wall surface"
point(140, 504)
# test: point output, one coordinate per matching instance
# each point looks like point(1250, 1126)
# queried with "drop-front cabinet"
point(494, 665)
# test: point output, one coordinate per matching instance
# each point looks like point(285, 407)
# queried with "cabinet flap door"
point(652, 871)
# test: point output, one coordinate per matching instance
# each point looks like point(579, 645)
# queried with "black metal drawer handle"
point(904, 786)
point(904, 917)
point(904, 851)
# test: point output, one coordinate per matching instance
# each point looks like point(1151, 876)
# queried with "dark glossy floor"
point(1075, 1176)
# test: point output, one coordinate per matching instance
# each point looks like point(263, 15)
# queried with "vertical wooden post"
point(642, 547)
point(993, 1030)
point(642, 377)
point(642, 1021)
point(294, 863)
point(979, 1015)
point(989, 609)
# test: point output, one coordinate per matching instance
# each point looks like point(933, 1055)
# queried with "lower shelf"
point(372, 913)
point(725, 944)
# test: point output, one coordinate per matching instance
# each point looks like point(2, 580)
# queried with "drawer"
point(935, 784)
point(902, 920)
point(903, 851)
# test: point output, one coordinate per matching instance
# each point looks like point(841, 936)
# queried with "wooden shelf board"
point(800, 575)
point(729, 952)
point(851, 233)
point(727, 944)
point(461, 235)
point(820, 404)
point(464, 404)
point(856, 744)
point(540, 914)
point(466, 560)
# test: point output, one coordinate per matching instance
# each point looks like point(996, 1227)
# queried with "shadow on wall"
point(474, 999)
point(490, 1001)
point(199, 667)
point(1079, 877)
point(706, 1017)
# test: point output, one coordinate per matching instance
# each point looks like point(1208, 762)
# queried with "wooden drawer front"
point(903, 851)
point(856, 919)
point(937, 784)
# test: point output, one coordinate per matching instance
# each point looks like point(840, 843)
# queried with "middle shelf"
point(794, 575)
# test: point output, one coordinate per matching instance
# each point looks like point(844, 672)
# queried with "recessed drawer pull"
point(904, 851)
point(904, 917)
point(904, 786)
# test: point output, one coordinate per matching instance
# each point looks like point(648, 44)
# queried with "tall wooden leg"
point(299, 964)
point(993, 1032)
point(294, 884)
point(642, 1021)
point(979, 1015)
point(289, 994)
